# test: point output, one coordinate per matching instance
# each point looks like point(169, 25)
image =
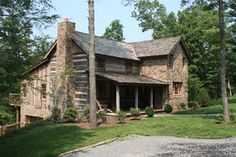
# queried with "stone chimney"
point(65, 81)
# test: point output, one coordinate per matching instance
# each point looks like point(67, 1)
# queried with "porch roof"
point(130, 79)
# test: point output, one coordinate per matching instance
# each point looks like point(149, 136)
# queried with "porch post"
point(151, 96)
point(136, 97)
point(17, 114)
point(117, 98)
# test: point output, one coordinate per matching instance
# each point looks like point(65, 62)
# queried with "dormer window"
point(170, 64)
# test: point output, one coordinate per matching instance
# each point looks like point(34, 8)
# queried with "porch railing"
point(14, 99)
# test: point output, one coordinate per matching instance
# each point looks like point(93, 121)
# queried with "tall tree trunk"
point(92, 79)
point(222, 61)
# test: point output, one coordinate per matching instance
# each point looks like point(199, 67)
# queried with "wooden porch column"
point(151, 96)
point(17, 115)
point(136, 97)
point(117, 98)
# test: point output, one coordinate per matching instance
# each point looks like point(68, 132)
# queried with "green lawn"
point(46, 139)
point(216, 109)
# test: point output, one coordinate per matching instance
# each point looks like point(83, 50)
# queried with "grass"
point(216, 109)
point(45, 139)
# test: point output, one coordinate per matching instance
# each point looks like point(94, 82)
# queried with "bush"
point(121, 117)
point(194, 86)
point(149, 111)
point(168, 108)
point(4, 117)
point(193, 104)
point(102, 115)
point(70, 114)
point(232, 116)
point(135, 112)
point(56, 114)
point(203, 98)
point(86, 111)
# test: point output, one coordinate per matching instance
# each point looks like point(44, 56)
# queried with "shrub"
point(70, 114)
point(203, 98)
point(56, 114)
point(193, 104)
point(194, 86)
point(121, 117)
point(135, 112)
point(102, 115)
point(86, 111)
point(4, 117)
point(149, 111)
point(232, 116)
point(168, 108)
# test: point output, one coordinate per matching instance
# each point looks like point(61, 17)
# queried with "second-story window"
point(183, 61)
point(44, 90)
point(101, 63)
point(171, 58)
point(128, 67)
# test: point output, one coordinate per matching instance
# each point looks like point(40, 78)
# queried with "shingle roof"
point(106, 47)
point(130, 79)
point(155, 47)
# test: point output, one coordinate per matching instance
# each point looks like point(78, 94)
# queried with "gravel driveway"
point(152, 146)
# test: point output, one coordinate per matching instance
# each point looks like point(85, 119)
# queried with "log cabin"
point(138, 74)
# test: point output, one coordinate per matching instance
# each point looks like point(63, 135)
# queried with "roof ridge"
point(104, 38)
point(154, 39)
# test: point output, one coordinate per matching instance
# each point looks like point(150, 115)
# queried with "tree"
point(92, 79)
point(114, 31)
point(17, 19)
point(222, 61)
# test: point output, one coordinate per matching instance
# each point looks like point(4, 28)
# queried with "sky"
point(105, 12)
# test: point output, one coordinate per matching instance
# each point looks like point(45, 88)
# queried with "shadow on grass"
point(44, 139)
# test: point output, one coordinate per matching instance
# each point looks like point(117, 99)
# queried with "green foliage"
point(168, 108)
point(114, 31)
point(193, 104)
point(56, 114)
point(121, 117)
point(194, 86)
point(102, 115)
point(4, 117)
point(232, 115)
point(149, 111)
point(70, 114)
point(135, 112)
point(182, 106)
point(203, 98)
point(153, 16)
point(86, 111)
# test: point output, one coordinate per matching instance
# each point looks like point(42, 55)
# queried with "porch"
point(120, 92)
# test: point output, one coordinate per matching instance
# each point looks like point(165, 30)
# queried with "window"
point(23, 86)
point(128, 67)
point(170, 61)
point(177, 88)
point(183, 61)
point(101, 63)
point(44, 91)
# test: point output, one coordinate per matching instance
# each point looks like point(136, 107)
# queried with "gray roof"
point(130, 79)
point(157, 47)
point(106, 47)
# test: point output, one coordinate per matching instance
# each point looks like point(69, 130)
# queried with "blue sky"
point(105, 12)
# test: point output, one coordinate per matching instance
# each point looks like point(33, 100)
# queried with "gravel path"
point(152, 146)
